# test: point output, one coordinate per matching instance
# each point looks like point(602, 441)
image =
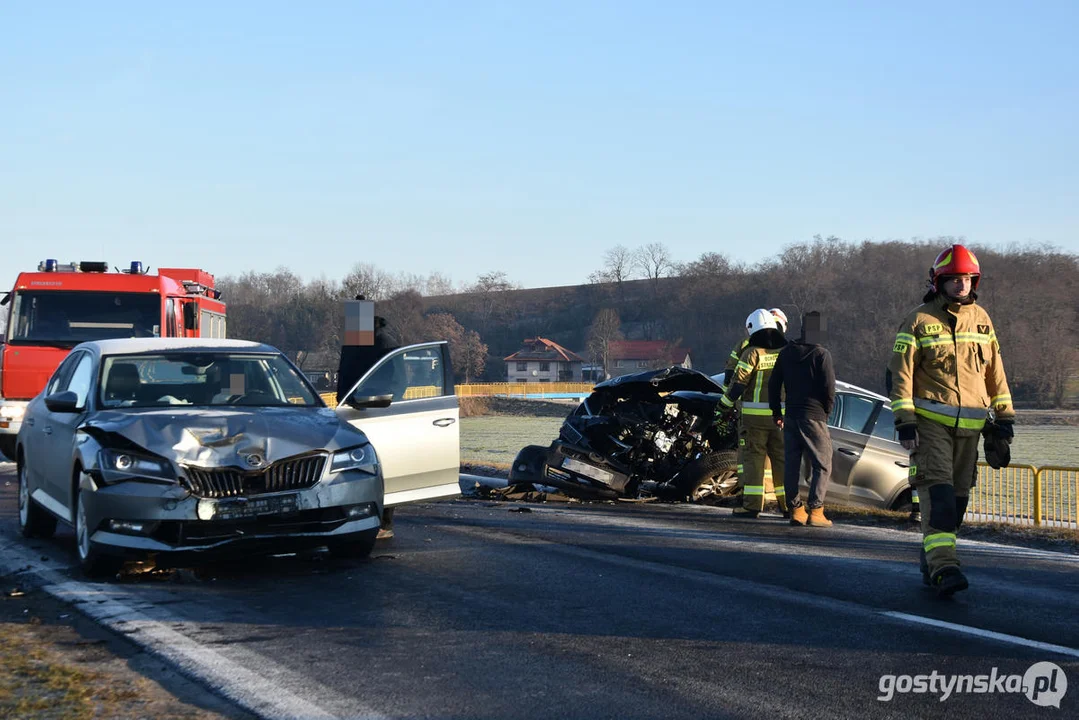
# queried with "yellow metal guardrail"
point(524, 388)
point(1026, 495)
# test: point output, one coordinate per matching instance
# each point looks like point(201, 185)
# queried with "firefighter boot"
point(744, 513)
point(949, 581)
point(817, 519)
point(799, 516)
point(925, 567)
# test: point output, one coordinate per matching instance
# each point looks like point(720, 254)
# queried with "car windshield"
point(67, 318)
point(203, 378)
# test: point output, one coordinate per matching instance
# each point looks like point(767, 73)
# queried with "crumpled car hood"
point(651, 382)
point(222, 437)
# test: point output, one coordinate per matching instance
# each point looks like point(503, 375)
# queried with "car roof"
point(839, 385)
point(847, 387)
point(132, 346)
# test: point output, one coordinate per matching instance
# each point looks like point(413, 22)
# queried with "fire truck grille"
point(293, 474)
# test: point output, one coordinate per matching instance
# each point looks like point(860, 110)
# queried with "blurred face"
point(957, 286)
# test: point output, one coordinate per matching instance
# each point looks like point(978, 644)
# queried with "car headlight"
point(360, 458)
point(12, 412)
point(118, 465)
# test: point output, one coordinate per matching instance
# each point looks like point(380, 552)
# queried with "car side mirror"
point(191, 316)
point(370, 401)
point(62, 402)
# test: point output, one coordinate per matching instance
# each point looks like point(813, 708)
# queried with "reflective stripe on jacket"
point(751, 378)
point(732, 362)
point(946, 366)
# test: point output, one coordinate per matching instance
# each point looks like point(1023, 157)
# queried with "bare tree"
point(472, 358)
point(654, 262)
point(488, 293)
point(367, 280)
point(618, 266)
point(708, 265)
point(438, 285)
point(606, 326)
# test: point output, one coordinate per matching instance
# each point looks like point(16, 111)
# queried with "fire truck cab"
point(59, 306)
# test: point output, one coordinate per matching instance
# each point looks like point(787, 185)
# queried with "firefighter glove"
point(1006, 430)
point(909, 431)
point(997, 445)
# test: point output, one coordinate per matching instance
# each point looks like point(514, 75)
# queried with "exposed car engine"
point(652, 433)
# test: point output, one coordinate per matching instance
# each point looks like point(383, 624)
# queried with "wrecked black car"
point(653, 434)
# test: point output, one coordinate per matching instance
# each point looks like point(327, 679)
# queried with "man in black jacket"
point(354, 362)
point(804, 370)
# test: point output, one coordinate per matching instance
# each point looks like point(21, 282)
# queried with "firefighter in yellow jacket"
point(758, 437)
point(728, 373)
point(944, 377)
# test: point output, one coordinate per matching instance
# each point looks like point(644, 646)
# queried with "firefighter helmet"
point(781, 319)
point(759, 320)
point(955, 260)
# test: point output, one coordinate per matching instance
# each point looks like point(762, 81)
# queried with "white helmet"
point(759, 320)
point(781, 319)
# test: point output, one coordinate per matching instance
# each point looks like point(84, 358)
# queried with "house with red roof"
point(543, 360)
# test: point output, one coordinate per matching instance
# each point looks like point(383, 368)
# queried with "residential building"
point(543, 360)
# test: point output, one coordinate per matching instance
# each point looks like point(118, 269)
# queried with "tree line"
point(863, 288)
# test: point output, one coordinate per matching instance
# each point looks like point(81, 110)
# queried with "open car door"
point(407, 407)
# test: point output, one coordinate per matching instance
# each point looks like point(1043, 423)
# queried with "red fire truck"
point(54, 309)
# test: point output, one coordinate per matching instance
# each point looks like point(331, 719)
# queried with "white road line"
point(989, 634)
point(261, 693)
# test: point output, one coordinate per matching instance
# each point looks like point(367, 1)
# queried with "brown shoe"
point(799, 516)
point(817, 519)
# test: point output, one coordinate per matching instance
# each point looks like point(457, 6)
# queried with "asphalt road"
point(481, 609)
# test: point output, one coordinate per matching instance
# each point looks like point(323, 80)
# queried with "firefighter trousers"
point(943, 468)
point(759, 440)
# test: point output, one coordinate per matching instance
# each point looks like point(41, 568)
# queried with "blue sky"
point(467, 137)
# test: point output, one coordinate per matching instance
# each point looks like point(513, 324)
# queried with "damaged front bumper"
point(135, 518)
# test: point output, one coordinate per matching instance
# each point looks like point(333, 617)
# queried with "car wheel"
point(93, 563)
point(356, 547)
point(902, 503)
point(34, 521)
point(709, 476)
point(530, 465)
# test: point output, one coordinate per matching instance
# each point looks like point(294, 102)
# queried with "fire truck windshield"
point(66, 318)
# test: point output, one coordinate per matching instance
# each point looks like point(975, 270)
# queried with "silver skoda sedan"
point(181, 448)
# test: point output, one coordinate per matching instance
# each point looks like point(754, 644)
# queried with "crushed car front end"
point(278, 480)
point(648, 434)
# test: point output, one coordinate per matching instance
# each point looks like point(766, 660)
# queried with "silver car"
point(180, 448)
point(869, 466)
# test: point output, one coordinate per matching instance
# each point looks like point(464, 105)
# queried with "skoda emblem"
point(255, 460)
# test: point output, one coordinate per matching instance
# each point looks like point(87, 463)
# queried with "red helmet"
point(955, 260)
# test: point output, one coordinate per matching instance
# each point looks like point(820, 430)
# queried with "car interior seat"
point(122, 384)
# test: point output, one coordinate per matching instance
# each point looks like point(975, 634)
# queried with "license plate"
point(239, 508)
point(587, 470)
